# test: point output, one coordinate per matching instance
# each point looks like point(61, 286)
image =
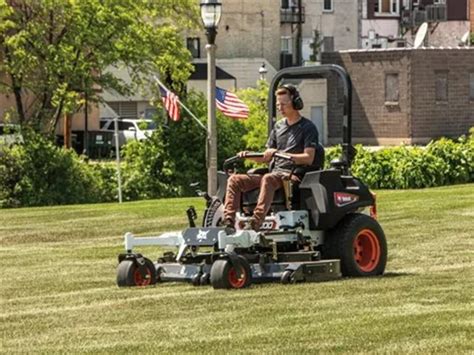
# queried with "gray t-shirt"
point(292, 139)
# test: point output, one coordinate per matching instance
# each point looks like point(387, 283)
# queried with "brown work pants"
point(239, 183)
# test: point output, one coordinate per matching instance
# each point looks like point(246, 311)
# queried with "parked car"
point(128, 129)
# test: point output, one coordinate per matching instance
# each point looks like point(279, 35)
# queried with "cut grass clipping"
point(59, 293)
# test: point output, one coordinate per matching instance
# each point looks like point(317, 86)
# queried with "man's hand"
point(268, 154)
point(242, 154)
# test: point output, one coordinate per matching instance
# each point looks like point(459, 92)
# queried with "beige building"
point(248, 35)
point(8, 103)
point(336, 22)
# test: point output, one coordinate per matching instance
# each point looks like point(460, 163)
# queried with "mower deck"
point(309, 271)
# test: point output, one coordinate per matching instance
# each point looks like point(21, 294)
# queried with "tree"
point(56, 52)
point(186, 142)
point(315, 46)
point(257, 123)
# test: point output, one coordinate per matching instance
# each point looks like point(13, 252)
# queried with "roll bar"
point(319, 72)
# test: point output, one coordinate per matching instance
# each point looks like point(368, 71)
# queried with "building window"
point(471, 86)
point(193, 45)
point(125, 109)
point(392, 89)
point(441, 86)
point(286, 45)
point(327, 6)
point(386, 7)
point(285, 4)
point(328, 43)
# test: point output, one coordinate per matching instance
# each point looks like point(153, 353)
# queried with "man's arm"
point(267, 156)
point(305, 158)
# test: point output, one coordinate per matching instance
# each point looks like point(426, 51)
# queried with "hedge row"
point(38, 173)
point(441, 162)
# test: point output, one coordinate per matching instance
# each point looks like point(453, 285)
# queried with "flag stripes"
point(230, 105)
point(170, 103)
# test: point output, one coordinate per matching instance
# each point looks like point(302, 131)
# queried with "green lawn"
point(59, 294)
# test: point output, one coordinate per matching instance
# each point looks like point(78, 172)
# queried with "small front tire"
point(287, 277)
point(227, 274)
point(129, 273)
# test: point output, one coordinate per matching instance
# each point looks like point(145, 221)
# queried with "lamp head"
point(211, 11)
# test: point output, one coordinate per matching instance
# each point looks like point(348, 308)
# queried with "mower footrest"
point(321, 270)
point(180, 272)
point(298, 256)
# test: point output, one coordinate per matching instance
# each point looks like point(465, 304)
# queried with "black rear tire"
point(227, 274)
point(129, 275)
point(359, 243)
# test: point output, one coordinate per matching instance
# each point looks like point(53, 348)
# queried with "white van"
point(128, 129)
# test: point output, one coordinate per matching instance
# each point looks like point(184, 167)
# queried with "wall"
point(431, 119)
point(78, 121)
point(381, 27)
point(245, 70)
point(471, 7)
point(341, 23)
point(373, 120)
point(417, 118)
point(314, 93)
point(7, 102)
point(248, 29)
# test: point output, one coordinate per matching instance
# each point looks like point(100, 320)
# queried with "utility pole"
point(67, 130)
point(299, 31)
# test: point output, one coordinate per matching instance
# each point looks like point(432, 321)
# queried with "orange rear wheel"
point(366, 250)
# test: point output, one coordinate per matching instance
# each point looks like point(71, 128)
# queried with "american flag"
point(170, 102)
point(230, 105)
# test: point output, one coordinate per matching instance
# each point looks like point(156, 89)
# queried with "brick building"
point(404, 95)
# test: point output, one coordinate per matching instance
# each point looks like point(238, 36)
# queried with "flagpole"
point(182, 105)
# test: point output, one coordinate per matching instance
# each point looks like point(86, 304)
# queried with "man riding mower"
point(318, 224)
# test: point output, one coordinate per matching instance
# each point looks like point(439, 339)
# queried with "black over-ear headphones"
point(296, 99)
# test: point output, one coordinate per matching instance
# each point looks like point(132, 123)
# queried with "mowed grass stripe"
point(59, 293)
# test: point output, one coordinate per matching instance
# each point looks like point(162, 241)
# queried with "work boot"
point(229, 227)
point(252, 224)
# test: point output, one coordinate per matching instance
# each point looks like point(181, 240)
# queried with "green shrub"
point(442, 162)
point(106, 181)
point(185, 143)
point(147, 171)
point(458, 156)
point(38, 173)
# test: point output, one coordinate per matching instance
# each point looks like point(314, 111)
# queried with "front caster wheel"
point(227, 273)
point(131, 273)
point(287, 277)
point(205, 279)
point(196, 280)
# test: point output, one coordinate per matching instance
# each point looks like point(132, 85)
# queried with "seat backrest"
point(320, 156)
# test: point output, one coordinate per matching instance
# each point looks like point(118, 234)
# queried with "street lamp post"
point(211, 15)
